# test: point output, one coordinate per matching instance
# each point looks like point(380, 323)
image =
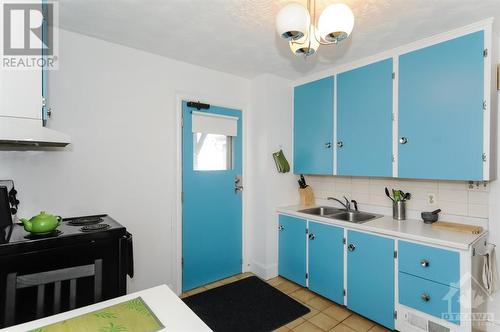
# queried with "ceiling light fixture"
point(298, 24)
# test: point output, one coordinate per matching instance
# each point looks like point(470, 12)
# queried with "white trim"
point(345, 265)
point(335, 126)
point(177, 220)
point(436, 39)
point(307, 253)
point(487, 97)
point(395, 115)
point(216, 115)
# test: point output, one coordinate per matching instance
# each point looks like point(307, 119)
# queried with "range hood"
point(24, 131)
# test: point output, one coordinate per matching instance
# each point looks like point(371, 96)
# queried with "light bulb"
point(336, 23)
point(307, 45)
point(292, 21)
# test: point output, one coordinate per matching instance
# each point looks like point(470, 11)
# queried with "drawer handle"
point(424, 263)
point(425, 297)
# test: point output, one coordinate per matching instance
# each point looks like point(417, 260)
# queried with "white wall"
point(270, 123)
point(119, 106)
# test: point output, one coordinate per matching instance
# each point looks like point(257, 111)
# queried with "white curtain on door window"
point(210, 123)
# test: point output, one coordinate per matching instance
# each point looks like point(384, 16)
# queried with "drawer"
point(431, 263)
point(430, 297)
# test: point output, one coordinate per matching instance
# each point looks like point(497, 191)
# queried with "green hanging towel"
point(281, 163)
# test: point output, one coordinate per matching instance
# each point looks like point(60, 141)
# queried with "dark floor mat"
point(248, 304)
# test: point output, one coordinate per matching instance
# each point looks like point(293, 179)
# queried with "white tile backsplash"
point(452, 197)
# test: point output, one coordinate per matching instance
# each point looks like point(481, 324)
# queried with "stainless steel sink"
point(321, 211)
point(355, 217)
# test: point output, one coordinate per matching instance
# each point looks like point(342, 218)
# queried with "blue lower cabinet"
point(370, 277)
point(433, 298)
point(326, 261)
point(292, 249)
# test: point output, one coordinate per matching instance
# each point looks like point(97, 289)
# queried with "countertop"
point(408, 229)
point(168, 307)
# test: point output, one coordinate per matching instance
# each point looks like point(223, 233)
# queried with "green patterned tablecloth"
point(130, 316)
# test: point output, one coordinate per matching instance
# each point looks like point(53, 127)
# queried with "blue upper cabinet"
point(313, 127)
point(326, 261)
point(364, 120)
point(370, 277)
point(292, 249)
point(441, 93)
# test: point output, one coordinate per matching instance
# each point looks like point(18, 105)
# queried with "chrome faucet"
point(347, 204)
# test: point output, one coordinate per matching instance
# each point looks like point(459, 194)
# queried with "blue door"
point(313, 127)
point(211, 210)
point(370, 277)
point(326, 261)
point(292, 249)
point(364, 120)
point(441, 110)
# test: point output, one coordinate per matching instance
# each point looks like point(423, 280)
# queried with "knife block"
point(306, 196)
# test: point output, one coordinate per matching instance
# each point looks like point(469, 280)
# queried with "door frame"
point(176, 246)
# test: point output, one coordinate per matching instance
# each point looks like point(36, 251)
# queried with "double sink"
point(341, 214)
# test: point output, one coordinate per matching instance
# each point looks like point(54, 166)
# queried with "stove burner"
point(34, 236)
point(95, 227)
point(85, 221)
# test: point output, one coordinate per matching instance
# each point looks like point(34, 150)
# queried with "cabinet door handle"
point(328, 145)
point(281, 228)
point(424, 263)
point(403, 140)
point(312, 236)
point(351, 247)
point(340, 144)
point(425, 297)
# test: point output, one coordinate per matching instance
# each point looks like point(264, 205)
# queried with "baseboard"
point(263, 271)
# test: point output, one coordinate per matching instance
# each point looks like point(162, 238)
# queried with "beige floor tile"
point(307, 327)
point(303, 295)
point(183, 295)
point(282, 329)
point(319, 303)
point(342, 328)
point(287, 287)
point(246, 275)
point(196, 291)
point(295, 323)
point(323, 321)
point(337, 312)
point(214, 285)
point(311, 314)
point(378, 328)
point(275, 281)
point(358, 323)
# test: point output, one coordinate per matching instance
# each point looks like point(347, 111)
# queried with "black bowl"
point(429, 217)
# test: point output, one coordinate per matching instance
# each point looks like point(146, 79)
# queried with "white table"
point(170, 310)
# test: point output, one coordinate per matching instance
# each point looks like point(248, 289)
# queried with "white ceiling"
point(238, 36)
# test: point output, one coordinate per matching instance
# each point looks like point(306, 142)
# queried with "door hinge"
point(395, 314)
point(393, 159)
point(307, 275)
point(395, 254)
point(485, 105)
point(307, 230)
point(182, 262)
point(344, 240)
point(344, 292)
point(485, 53)
point(393, 75)
point(485, 157)
point(182, 197)
point(393, 117)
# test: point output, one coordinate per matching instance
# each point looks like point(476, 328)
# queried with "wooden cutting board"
point(451, 226)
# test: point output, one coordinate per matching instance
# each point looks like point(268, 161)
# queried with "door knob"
point(351, 247)
point(424, 263)
point(312, 236)
point(425, 297)
point(328, 145)
point(281, 228)
point(403, 140)
point(340, 144)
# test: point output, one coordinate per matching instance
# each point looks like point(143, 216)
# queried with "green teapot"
point(42, 223)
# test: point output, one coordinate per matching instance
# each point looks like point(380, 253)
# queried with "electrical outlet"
point(478, 186)
point(431, 199)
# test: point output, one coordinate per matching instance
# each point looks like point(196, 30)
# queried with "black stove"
point(82, 221)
